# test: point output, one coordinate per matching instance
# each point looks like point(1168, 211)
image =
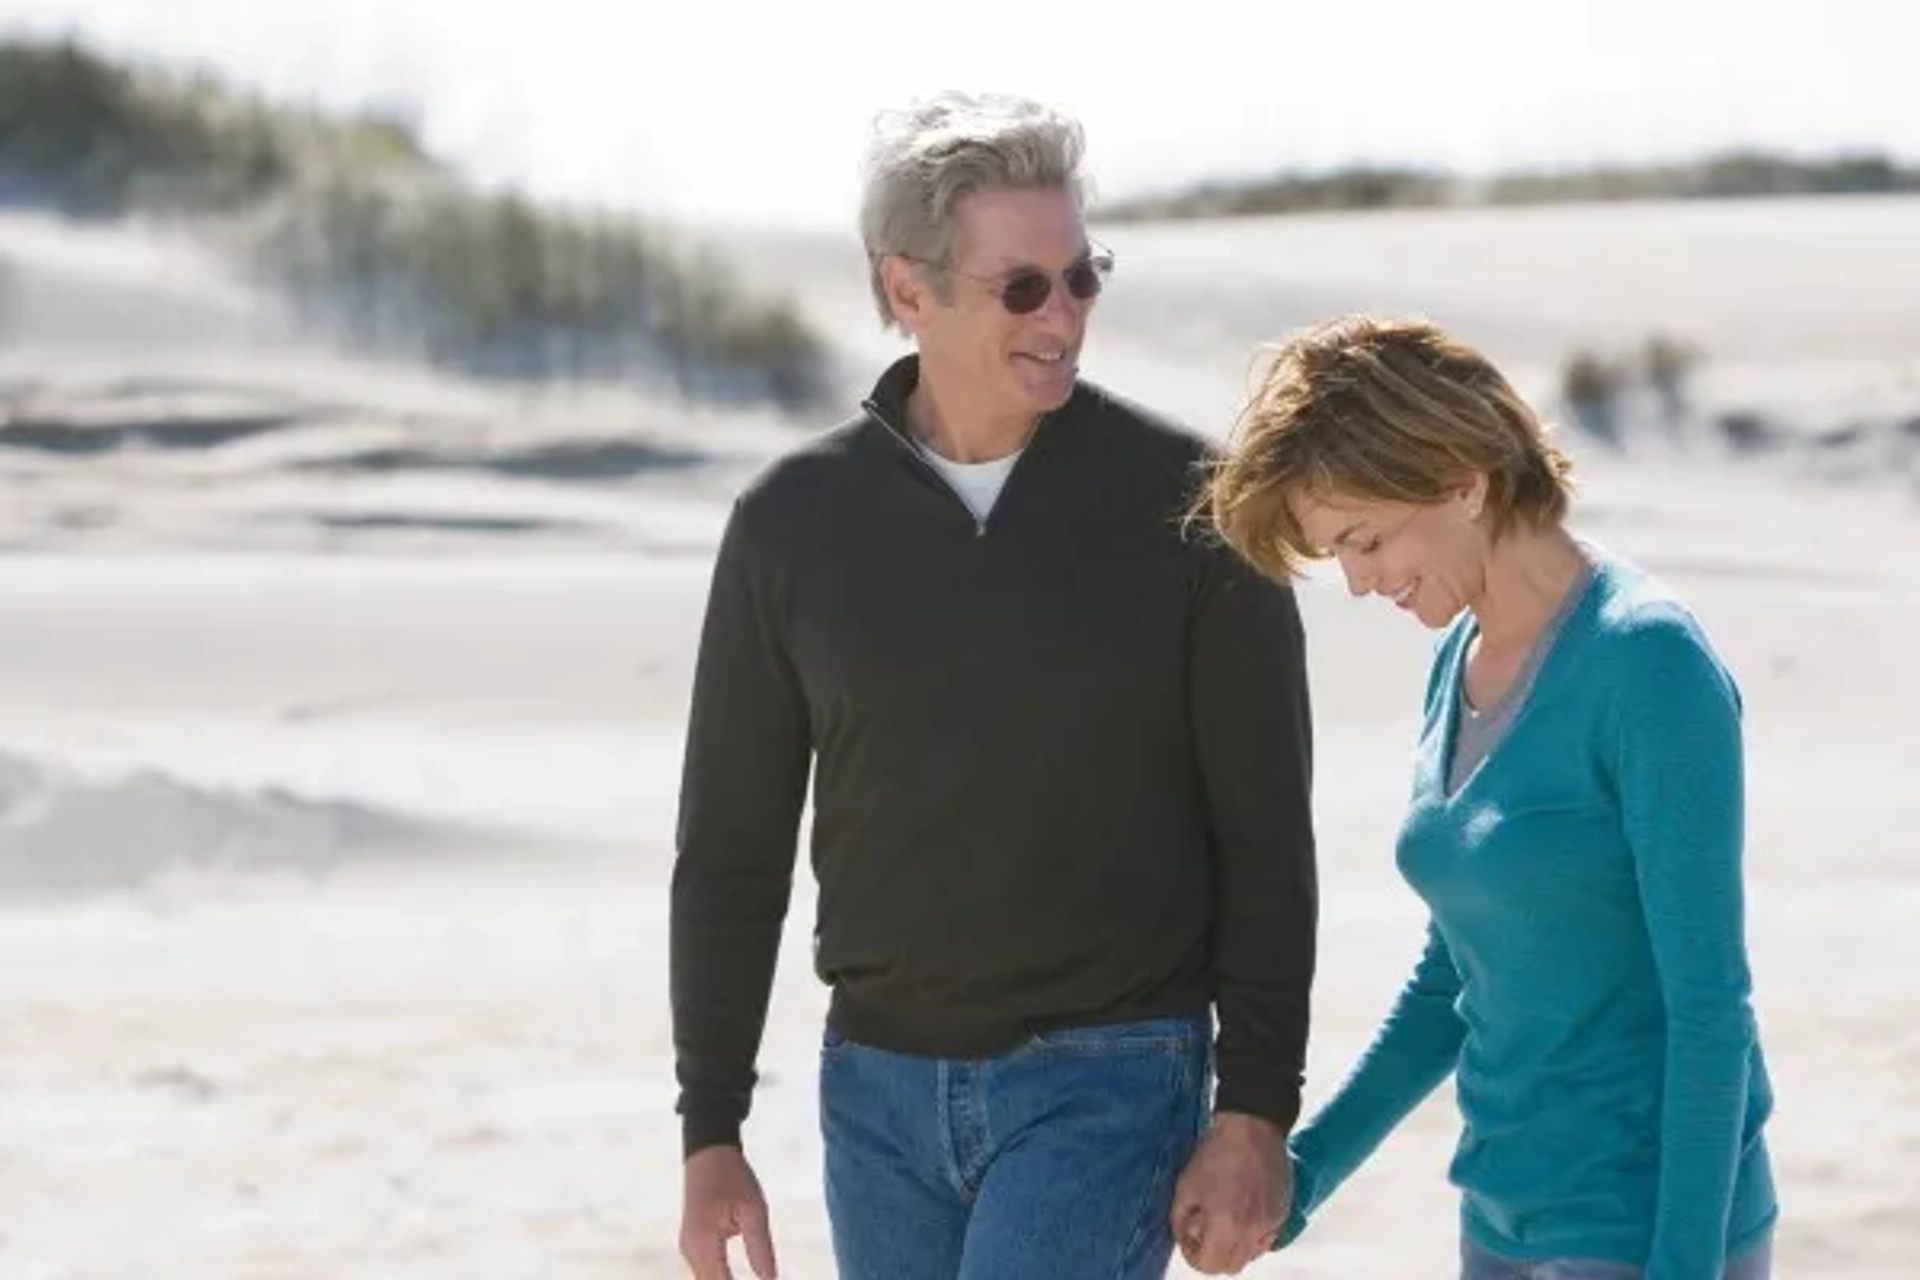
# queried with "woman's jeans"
point(1477, 1264)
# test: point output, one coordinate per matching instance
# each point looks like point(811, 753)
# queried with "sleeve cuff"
point(1304, 1197)
point(704, 1128)
point(1260, 1093)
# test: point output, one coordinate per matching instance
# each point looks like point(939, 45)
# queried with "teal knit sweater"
point(1585, 975)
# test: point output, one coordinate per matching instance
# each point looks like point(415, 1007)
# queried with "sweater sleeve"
point(741, 795)
point(1679, 772)
point(1253, 738)
point(1416, 1047)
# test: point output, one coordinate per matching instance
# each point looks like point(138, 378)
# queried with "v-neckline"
point(1456, 685)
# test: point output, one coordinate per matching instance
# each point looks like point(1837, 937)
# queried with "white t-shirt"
point(977, 483)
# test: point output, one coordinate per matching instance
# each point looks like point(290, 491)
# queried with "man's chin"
point(1043, 395)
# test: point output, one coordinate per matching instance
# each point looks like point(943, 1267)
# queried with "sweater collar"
point(888, 399)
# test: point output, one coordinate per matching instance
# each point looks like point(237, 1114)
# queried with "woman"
point(1575, 826)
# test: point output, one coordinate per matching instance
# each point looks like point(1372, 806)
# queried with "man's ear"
point(907, 293)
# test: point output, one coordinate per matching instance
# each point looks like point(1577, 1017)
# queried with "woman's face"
point(1428, 559)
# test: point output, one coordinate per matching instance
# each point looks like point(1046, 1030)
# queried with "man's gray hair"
point(925, 156)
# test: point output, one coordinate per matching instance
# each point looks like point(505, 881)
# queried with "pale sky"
point(758, 110)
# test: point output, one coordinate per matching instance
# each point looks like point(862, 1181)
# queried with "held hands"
point(722, 1199)
point(1234, 1195)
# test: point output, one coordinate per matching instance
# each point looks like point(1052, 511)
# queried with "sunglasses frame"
point(1098, 262)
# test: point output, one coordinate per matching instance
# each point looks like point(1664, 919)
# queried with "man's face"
point(1013, 249)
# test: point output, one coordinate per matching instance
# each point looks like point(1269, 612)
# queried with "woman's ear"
point(1473, 495)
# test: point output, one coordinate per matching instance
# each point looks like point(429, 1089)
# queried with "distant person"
point(1061, 759)
point(1575, 826)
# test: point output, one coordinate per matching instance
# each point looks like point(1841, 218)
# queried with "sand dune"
point(150, 396)
point(301, 448)
point(65, 833)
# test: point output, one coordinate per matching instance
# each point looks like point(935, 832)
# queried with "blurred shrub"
point(1667, 363)
point(379, 245)
point(1596, 386)
point(1359, 187)
point(87, 136)
point(494, 286)
point(1592, 386)
point(1727, 175)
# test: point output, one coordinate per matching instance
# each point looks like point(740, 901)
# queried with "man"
point(1061, 762)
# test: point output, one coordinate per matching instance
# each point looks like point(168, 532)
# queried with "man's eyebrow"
point(1010, 265)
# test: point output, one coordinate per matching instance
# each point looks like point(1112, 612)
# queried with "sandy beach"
point(336, 791)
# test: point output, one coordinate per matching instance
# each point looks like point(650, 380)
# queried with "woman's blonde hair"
point(1387, 409)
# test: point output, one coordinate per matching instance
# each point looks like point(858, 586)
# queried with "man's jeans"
point(1477, 1264)
point(1056, 1159)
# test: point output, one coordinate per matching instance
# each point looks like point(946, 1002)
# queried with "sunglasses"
point(1025, 290)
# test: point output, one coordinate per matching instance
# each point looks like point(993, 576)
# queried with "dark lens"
point(1084, 279)
point(1025, 292)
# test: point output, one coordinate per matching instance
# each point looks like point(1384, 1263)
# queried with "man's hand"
point(1234, 1195)
point(723, 1200)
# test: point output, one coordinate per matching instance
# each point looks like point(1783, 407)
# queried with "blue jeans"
point(1056, 1159)
point(1477, 1264)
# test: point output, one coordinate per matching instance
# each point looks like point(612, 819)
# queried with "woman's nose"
point(1359, 582)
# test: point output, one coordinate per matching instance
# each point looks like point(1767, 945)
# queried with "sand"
point(336, 803)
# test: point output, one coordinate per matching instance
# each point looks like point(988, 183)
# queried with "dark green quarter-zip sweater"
point(1060, 758)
